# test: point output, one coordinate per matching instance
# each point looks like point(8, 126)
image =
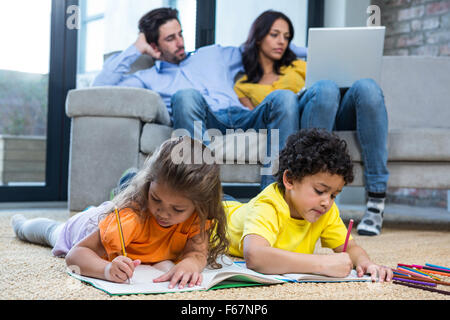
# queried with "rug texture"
point(30, 271)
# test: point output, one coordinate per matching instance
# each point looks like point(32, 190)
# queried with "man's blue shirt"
point(210, 70)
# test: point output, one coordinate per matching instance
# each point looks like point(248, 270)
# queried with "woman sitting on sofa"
point(270, 65)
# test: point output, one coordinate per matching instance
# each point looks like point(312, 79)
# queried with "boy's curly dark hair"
point(310, 151)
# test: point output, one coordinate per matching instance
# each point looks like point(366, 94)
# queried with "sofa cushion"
point(427, 144)
point(416, 91)
point(237, 147)
point(153, 135)
point(430, 144)
point(402, 174)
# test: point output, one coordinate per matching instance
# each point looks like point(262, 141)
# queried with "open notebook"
point(232, 274)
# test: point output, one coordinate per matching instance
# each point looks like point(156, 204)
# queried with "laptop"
point(344, 55)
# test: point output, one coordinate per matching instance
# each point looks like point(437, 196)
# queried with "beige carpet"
point(29, 271)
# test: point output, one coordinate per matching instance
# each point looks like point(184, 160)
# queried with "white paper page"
point(242, 265)
point(353, 276)
point(141, 282)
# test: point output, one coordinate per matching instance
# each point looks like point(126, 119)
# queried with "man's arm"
point(300, 52)
point(115, 68)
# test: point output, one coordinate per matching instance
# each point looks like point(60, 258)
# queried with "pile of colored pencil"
point(422, 277)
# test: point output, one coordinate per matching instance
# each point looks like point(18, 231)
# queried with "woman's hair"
point(259, 29)
point(150, 22)
point(310, 151)
point(183, 173)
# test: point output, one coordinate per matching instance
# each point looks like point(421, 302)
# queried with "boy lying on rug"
point(276, 232)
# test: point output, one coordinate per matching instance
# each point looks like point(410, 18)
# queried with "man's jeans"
point(279, 110)
point(362, 109)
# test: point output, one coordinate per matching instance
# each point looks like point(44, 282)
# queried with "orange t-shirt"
point(146, 240)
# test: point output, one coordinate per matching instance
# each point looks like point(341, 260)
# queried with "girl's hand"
point(120, 269)
point(384, 273)
point(185, 272)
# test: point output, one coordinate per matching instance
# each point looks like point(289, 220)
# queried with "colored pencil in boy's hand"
point(350, 225)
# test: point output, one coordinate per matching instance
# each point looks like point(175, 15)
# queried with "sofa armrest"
point(114, 101)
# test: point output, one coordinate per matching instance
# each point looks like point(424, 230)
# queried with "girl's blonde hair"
point(176, 163)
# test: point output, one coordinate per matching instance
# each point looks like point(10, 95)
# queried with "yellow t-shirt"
point(292, 78)
point(268, 216)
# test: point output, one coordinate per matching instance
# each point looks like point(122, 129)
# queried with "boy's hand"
point(384, 273)
point(336, 264)
point(185, 272)
point(120, 269)
point(145, 48)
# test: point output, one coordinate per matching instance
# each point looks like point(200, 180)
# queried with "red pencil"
point(413, 273)
point(350, 225)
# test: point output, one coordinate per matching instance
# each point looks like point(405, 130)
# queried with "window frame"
point(82, 37)
point(62, 78)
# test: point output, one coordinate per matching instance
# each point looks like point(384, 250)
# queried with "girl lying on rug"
point(276, 232)
point(167, 212)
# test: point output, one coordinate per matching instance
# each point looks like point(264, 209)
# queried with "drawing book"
point(309, 277)
point(232, 274)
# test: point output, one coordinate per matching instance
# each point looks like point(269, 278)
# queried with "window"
point(112, 25)
point(234, 18)
point(35, 74)
point(24, 79)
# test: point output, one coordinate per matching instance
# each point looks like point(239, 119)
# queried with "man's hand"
point(145, 48)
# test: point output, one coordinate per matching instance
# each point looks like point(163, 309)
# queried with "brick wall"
point(416, 27)
point(422, 28)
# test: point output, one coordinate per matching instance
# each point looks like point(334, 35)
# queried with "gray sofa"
point(114, 128)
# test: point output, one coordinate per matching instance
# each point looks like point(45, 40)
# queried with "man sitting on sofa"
point(197, 87)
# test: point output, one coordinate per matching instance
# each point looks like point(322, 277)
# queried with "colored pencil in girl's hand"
point(122, 241)
point(119, 226)
point(350, 225)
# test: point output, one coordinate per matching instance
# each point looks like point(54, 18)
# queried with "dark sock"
point(376, 194)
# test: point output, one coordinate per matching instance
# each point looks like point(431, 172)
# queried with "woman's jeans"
point(278, 114)
point(361, 108)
